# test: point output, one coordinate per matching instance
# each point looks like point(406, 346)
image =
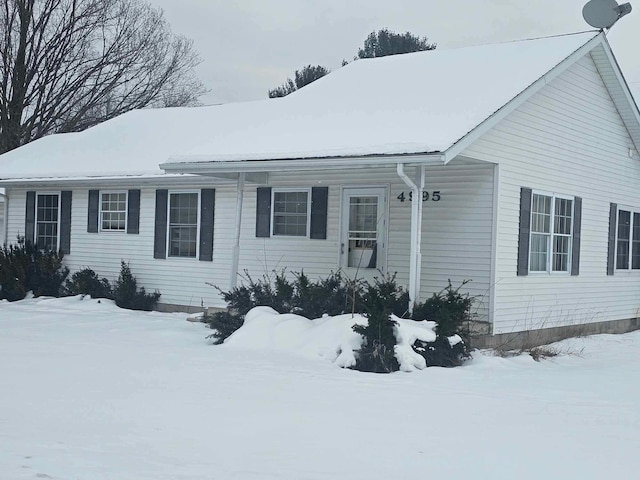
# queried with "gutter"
point(5, 226)
point(208, 165)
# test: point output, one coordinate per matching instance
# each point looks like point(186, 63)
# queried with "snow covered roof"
point(404, 104)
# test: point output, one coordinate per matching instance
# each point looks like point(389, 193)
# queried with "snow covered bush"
point(25, 267)
point(329, 296)
point(451, 310)
point(378, 349)
point(127, 294)
point(87, 282)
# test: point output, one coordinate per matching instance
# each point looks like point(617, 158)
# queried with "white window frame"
point(35, 218)
point(548, 268)
point(126, 210)
point(632, 211)
point(198, 223)
point(273, 211)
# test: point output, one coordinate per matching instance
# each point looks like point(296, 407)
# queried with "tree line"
point(377, 44)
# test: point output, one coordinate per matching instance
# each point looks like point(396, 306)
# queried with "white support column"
point(415, 258)
point(235, 256)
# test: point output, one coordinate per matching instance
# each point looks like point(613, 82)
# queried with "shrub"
point(332, 296)
point(223, 324)
point(127, 294)
point(87, 282)
point(450, 309)
point(378, 349)
point(25, 267)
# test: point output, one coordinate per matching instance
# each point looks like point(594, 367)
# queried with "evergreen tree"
point(305, 76)
point(384, 42)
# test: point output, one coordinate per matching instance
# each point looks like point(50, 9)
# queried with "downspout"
point(5, 224)
point(415, 258)
point(235, 256)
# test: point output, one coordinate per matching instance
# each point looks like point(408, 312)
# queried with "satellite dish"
point(604, 13)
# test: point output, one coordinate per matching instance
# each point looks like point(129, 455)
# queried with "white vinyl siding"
point(567, 138)
point(113, 211)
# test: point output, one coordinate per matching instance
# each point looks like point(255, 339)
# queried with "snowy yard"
point(89, 392)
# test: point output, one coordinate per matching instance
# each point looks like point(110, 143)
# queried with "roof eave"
point(208, 165)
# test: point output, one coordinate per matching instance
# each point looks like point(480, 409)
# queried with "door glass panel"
point(363, 232)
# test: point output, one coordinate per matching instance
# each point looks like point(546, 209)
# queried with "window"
point(551, 233)
point(628, 240)
point(47, 218)
point(183, 224)
point(291, 213)
point(113, 211)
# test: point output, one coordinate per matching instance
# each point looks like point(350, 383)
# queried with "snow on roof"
point(404, 104)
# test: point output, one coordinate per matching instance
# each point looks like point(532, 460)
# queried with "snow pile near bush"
point(331, 338)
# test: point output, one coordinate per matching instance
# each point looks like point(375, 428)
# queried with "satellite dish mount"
point(603, 14)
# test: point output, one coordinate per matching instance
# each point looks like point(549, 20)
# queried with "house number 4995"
point(435, 196)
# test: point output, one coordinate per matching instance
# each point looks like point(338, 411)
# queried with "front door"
point(364, 226)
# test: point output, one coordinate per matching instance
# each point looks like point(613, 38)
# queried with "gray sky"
point(250, 46)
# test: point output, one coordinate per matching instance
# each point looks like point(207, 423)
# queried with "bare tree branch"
point(66, 65)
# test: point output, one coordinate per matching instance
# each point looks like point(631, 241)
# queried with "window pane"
point(539, 251)
point(290, 213)
point(624, 235)
point(113, 211)
point(635, 249)
point(541, 214)
point(47, 221)
point(183, 224)
point(363, 232)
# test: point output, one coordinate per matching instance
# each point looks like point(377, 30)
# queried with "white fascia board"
point(632, 111)
point(519, 99)
point(112, 181)
point(202, 166)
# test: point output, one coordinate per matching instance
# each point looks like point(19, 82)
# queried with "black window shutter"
point(577, 225)
point(319, 200)
point(525, 229)
point(133, 211)
point(92, 215)
point(207, 212)
point(611, 255)
point(30, 218)
point(160, 234)
point(263, 212)
point(65, 221)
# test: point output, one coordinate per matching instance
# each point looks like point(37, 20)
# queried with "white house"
point(524, 156)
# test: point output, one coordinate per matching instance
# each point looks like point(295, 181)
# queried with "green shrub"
point(451, 310)
point(87, 282)
point(25, 267)
point(379, 302)
point(332, 296)
point(127, 294)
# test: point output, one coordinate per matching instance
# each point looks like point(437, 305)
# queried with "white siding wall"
point(179, 280)
point(456, 230)
point(567, 139)
point(456, 236)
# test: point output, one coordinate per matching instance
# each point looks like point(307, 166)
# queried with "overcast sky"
point(250, 46)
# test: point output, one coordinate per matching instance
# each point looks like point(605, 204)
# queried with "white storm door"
point(364, 227)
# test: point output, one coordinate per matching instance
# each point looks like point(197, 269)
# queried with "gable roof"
point(421, 103)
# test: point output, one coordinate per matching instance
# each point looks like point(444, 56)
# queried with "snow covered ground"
point(89, 392)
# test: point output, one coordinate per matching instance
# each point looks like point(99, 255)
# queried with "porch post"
point(235, 256)
point(415, 256)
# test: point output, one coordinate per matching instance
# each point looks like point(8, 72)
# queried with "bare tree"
point(66, 65)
